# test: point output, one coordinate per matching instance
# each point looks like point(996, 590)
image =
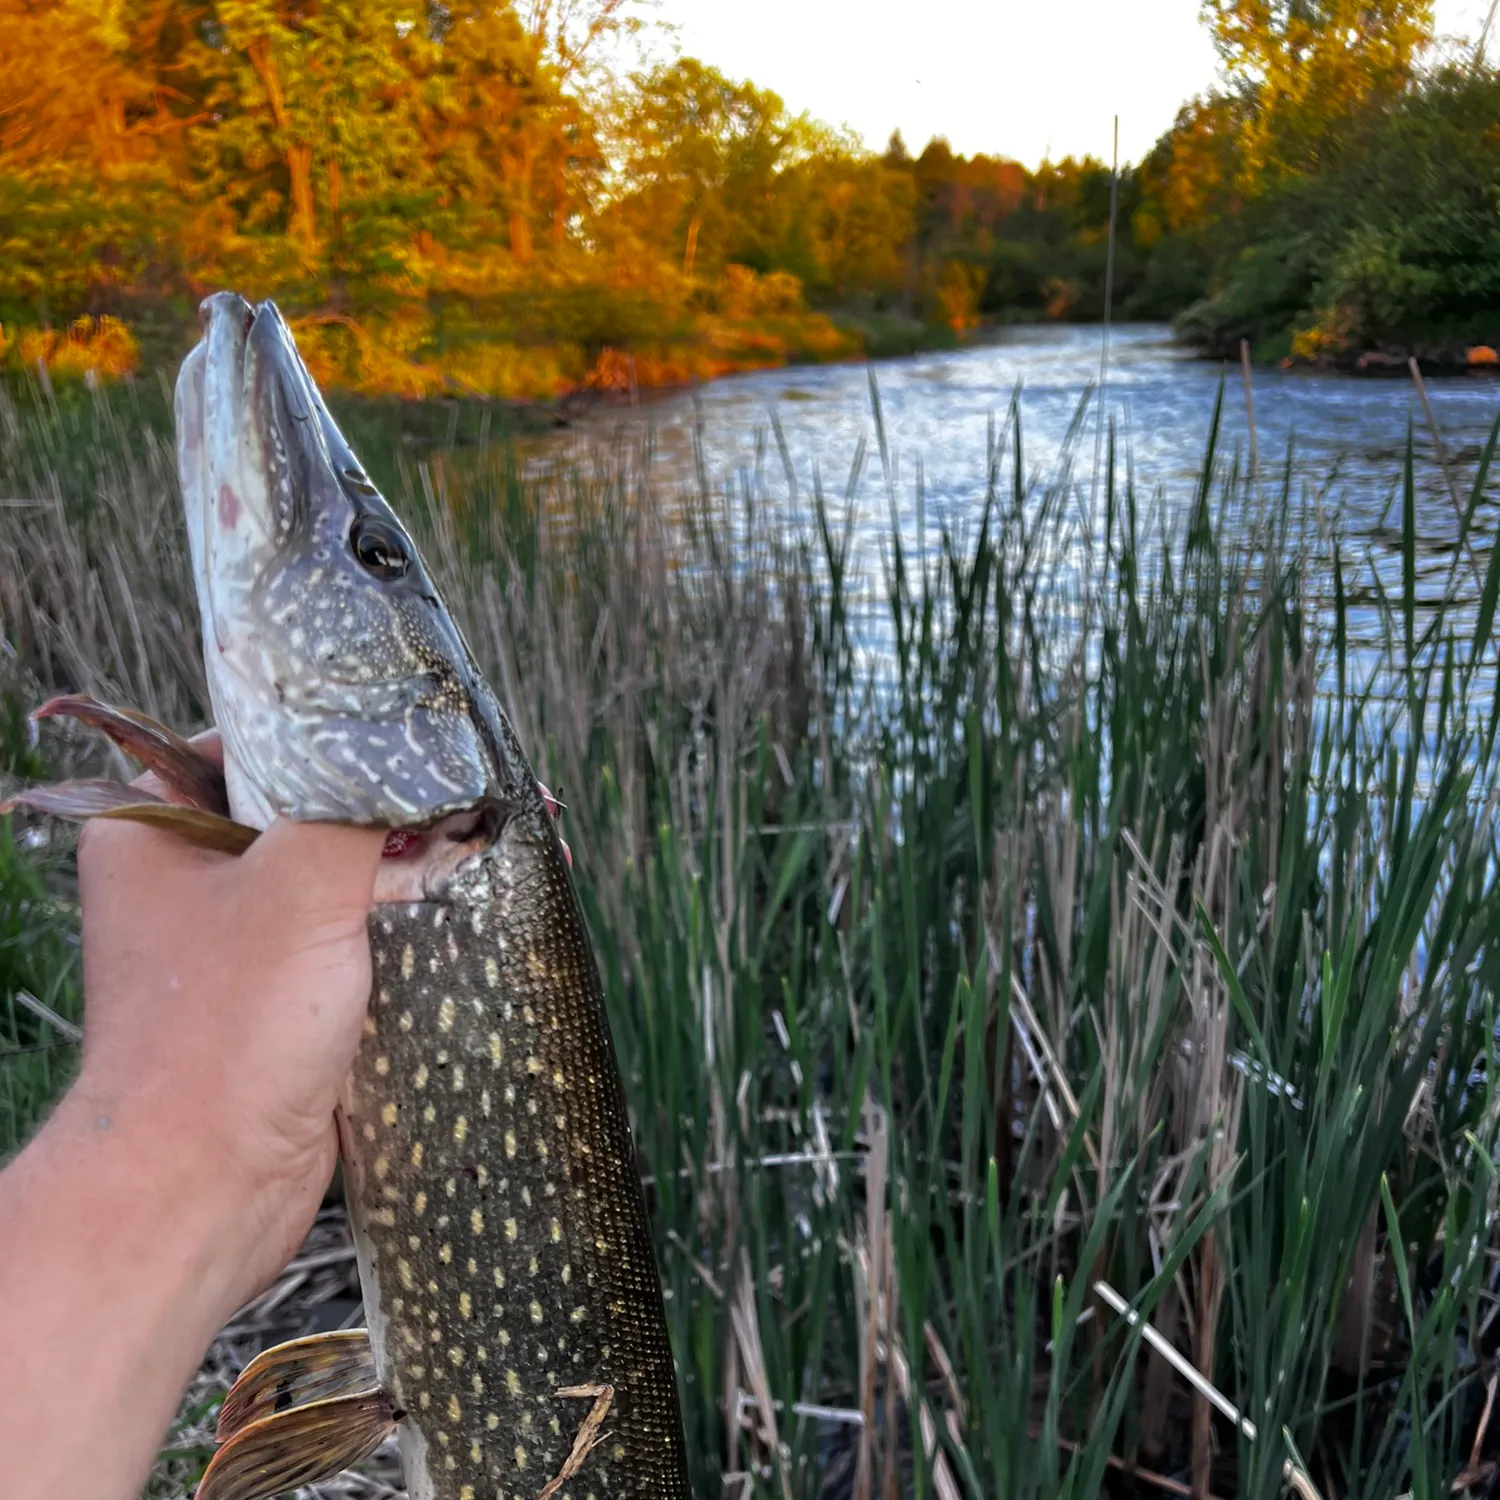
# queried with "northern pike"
point(517, 1340)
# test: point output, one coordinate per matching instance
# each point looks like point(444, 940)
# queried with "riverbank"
point(1105, 949)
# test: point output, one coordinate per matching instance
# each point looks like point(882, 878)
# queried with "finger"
point(211, 743)
point(321, 868)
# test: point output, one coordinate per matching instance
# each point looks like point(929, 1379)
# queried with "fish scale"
point(494, 1196)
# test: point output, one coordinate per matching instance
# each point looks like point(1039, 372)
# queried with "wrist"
point(115, 1264)
point(152, 1181)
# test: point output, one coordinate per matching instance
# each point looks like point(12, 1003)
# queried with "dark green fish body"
point(510, 1281)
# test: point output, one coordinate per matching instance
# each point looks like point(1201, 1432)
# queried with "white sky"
point(1020, 78)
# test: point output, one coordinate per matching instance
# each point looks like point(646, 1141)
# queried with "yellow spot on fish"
point(382, 1166)
point(408, 962)
point(473, 1266)
point(478, 1384)
point(473, 1458)
point(577, 1314)
point(369, 1131)
point(557, 1078)
point(536, 1311)
point(499, 1279)
point(408, 1281)
point(526, 1196)
point(556, 1232)
point(405, 1020)
point(460, 1128)
point(531, 1266)
point(534, 965)
point(445, 1254)
point(467, 1492)
point(385, 1217)
point(567, 1274)
point(504, 1336)
point(455, 1411)
point(416, 1154)
point(534, 1066)
point(476, 1222)
point(465, 1305)
point(451, 1186)
point(445, 1014)
point(458, 1078)
point(425, 1399)
point(420, 1203)
point(496, 1051)
point(513, 1382)
point(422, 1075)
point(510, 1144)
point(491, 973)
point(388, 1114)
point(382, 1065)
point(481, 1174)
point(510, 1229)
point(429, 1114)
point(456, 1355)
point(484, 1101)
point(370, 1026)
point(492, 1420)
point(520, 1457)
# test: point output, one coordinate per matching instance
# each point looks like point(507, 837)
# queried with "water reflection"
point(1343, 437)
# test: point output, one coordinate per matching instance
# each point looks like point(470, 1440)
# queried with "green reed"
point(1112, 930)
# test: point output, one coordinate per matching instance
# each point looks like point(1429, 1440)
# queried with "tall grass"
point(1103, 932)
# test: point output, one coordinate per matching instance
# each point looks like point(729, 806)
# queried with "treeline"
point(1337, 199)
point(461, 196)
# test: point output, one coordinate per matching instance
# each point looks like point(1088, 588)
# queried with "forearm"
point(113, 1279)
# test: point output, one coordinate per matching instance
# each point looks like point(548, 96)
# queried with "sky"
point(1022, 78)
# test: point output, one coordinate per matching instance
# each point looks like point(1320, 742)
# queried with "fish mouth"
point(253, 432)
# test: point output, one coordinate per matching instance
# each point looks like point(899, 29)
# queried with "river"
point(1346, 436)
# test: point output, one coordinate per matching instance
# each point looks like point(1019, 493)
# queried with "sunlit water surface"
point(942, 412)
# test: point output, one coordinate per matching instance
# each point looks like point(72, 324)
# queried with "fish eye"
point(379, 546)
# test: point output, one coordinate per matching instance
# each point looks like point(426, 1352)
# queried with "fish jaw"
point(343, 691)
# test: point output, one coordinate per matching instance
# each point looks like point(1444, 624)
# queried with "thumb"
point(324, 870)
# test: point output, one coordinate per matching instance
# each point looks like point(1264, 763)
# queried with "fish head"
point(342, 687)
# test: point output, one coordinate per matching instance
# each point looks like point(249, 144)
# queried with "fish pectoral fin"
point(317, 1368)
point(301, 1445)
point(180, 765)
point(79, 801)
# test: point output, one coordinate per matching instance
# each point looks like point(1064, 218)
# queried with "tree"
point(1306, 65)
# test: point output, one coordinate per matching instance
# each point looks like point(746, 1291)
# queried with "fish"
point(517, 1340)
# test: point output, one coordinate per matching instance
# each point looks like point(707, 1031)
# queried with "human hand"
point(224, 998)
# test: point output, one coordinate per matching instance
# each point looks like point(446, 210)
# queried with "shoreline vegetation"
point(1133, 942)
point(487, 202)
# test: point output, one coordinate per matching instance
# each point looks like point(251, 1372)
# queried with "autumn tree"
point(1305, 65)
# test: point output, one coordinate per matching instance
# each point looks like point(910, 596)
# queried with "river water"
point(1345, 436)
